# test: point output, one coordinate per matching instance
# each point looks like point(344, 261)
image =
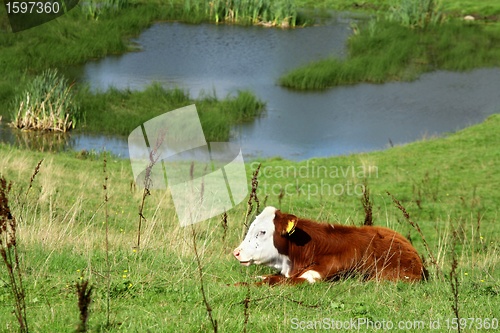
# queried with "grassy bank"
point(119, 112)
point(402, 43)
point(446, 185)
point(387, 51)
point(77, 37)
point(453, 7)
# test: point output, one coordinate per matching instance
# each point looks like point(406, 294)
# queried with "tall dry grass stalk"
point(224, 226)
point(367, 205)
point(32, 179)
point(454, 284)
point(208, 307)
point(417, 228)
point(148, 182)
point(30, 186)
point(106, 242)
point(83, 292)
point(252, 198)
point(246, 309)
point(10, 255)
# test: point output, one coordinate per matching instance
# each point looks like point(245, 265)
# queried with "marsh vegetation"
point(47, 104)
point(401, 41)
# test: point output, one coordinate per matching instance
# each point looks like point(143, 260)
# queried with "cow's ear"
point(289, 223)
point(290, 226)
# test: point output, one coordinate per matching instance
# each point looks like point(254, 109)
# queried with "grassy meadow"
point(447, 185)
point(77, 218)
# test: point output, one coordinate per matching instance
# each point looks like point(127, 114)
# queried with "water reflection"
point(35, 140)
point(57, 142)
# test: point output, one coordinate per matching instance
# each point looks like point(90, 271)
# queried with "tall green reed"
point(416, 13)
point(93, 9)
point(262, 12)
point(47, 104)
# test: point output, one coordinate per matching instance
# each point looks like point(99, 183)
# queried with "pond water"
point(296, 125)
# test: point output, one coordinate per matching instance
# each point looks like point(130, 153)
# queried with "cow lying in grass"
point(304, 250)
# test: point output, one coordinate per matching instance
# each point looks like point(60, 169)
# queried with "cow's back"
point(370, 251)
point(393, 256)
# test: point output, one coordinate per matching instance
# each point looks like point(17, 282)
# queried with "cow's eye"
point(262, 233)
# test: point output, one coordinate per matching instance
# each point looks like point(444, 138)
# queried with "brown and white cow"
point(304, 250)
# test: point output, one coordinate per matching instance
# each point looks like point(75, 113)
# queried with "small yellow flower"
point(482, 280)
point(134, 250)
point(125, 271)
point(466, 273)
point(124, 276)
point(78, 271)
point(130, 285)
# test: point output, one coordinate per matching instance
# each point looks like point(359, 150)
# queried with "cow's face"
point(258, 246)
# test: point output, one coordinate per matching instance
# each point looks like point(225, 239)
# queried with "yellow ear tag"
point(290, 228)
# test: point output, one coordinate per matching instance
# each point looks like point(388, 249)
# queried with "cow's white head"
point(258, 247)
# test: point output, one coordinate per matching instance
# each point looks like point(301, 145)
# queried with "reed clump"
point(416, 13)
point(47, 104)
point(282, 13)
point(93, 9)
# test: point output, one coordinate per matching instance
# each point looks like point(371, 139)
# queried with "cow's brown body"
point(319, 251)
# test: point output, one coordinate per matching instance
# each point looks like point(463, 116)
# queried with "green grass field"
point(447, 184)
